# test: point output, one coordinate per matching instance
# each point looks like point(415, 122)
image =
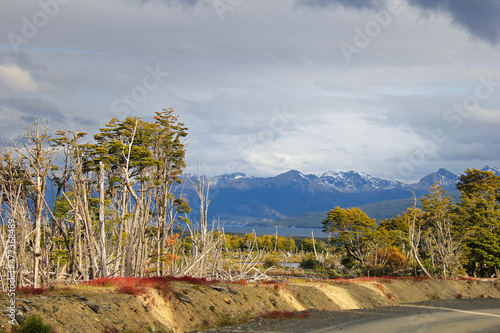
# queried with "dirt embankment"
point(190, 307)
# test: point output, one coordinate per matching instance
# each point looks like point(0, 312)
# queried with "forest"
point(75, 209)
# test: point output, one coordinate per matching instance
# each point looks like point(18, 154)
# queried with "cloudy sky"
point(394, 88)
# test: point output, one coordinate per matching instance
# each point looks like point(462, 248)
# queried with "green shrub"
point(310, 263)
point(34, 324)
point(270, 261)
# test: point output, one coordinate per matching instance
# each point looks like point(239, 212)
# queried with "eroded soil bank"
point(189, 307)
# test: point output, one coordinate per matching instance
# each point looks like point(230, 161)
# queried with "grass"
point(32, 291)
point(226, 320)
point(131, 285)
point(380, 279)
point(192, 280)
point(277, 285)
point(434, 296)
point(134, 285)
point(139, 286)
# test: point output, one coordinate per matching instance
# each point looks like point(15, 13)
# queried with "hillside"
point(295, 199)
point(188, 306)
point(378, 211)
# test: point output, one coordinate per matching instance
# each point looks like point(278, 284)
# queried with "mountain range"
point(239, 199)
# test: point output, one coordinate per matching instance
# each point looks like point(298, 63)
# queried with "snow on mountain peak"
point(495, 170)
point(354, 181)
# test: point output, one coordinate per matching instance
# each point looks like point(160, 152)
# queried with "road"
point(456, 316)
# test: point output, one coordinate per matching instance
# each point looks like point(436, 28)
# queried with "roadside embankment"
point(189, 306)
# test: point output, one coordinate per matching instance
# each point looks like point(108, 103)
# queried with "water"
point(289, 264)
point(287, 232)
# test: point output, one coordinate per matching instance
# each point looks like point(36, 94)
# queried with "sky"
point(393, 88)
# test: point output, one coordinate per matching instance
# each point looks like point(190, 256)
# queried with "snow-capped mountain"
point(225, 178)
point(237, 198)
point(352, 181)
point(447, 180)
point(495, 170)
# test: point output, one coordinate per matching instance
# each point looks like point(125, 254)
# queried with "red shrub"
point(343, 281)
point(162, 285)
point(466, 278)
point(192, 280)
point(418, 278)
point(101, 282)
point(243, 282)
point(133, 285)
point(284, 315)
point(269, 282)
point(31, 290)
point(131, 289)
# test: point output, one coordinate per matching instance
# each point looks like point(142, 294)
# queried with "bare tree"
point(202, 188)
point(444, 242)
point(38, 157)
point(102, 226)
point(14, 206)
point(414, 234)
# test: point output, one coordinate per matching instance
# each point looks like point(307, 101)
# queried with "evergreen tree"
point(479, 211)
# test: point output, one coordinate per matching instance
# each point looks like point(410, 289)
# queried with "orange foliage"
point(169, 258)
point(396, 258)
point(170, 242)
point(393, 257)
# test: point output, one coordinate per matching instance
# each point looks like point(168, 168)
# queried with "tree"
point(169, 149)
point(74, 197)
point(414, 225)
point(116, 201)
point(306, 245)
point(353, 229)
point(479, 211)
point(14, 206)
point(397, 230)
point(38, 157)
point(143, 161)
point(445, 238)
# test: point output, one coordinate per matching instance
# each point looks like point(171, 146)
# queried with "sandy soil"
point(194, 307)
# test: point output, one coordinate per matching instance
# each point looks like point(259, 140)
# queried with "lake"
point(287, 232)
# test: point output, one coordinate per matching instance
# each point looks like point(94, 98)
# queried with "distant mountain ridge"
point(353, 181)
point(238, 199)
point(446, 179)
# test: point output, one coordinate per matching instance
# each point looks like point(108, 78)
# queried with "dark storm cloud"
point(481, 17)
point(226, 77)
point(22, 58)
point(170, 2)
point(33, 107)
point(27, 110)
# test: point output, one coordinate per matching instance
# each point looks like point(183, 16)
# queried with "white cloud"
point(17, 80)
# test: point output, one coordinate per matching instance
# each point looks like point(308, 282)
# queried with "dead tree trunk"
point(38, 157)
point(414, 233)
point(102, 227)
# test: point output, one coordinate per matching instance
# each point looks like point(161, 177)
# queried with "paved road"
point(456, 316)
